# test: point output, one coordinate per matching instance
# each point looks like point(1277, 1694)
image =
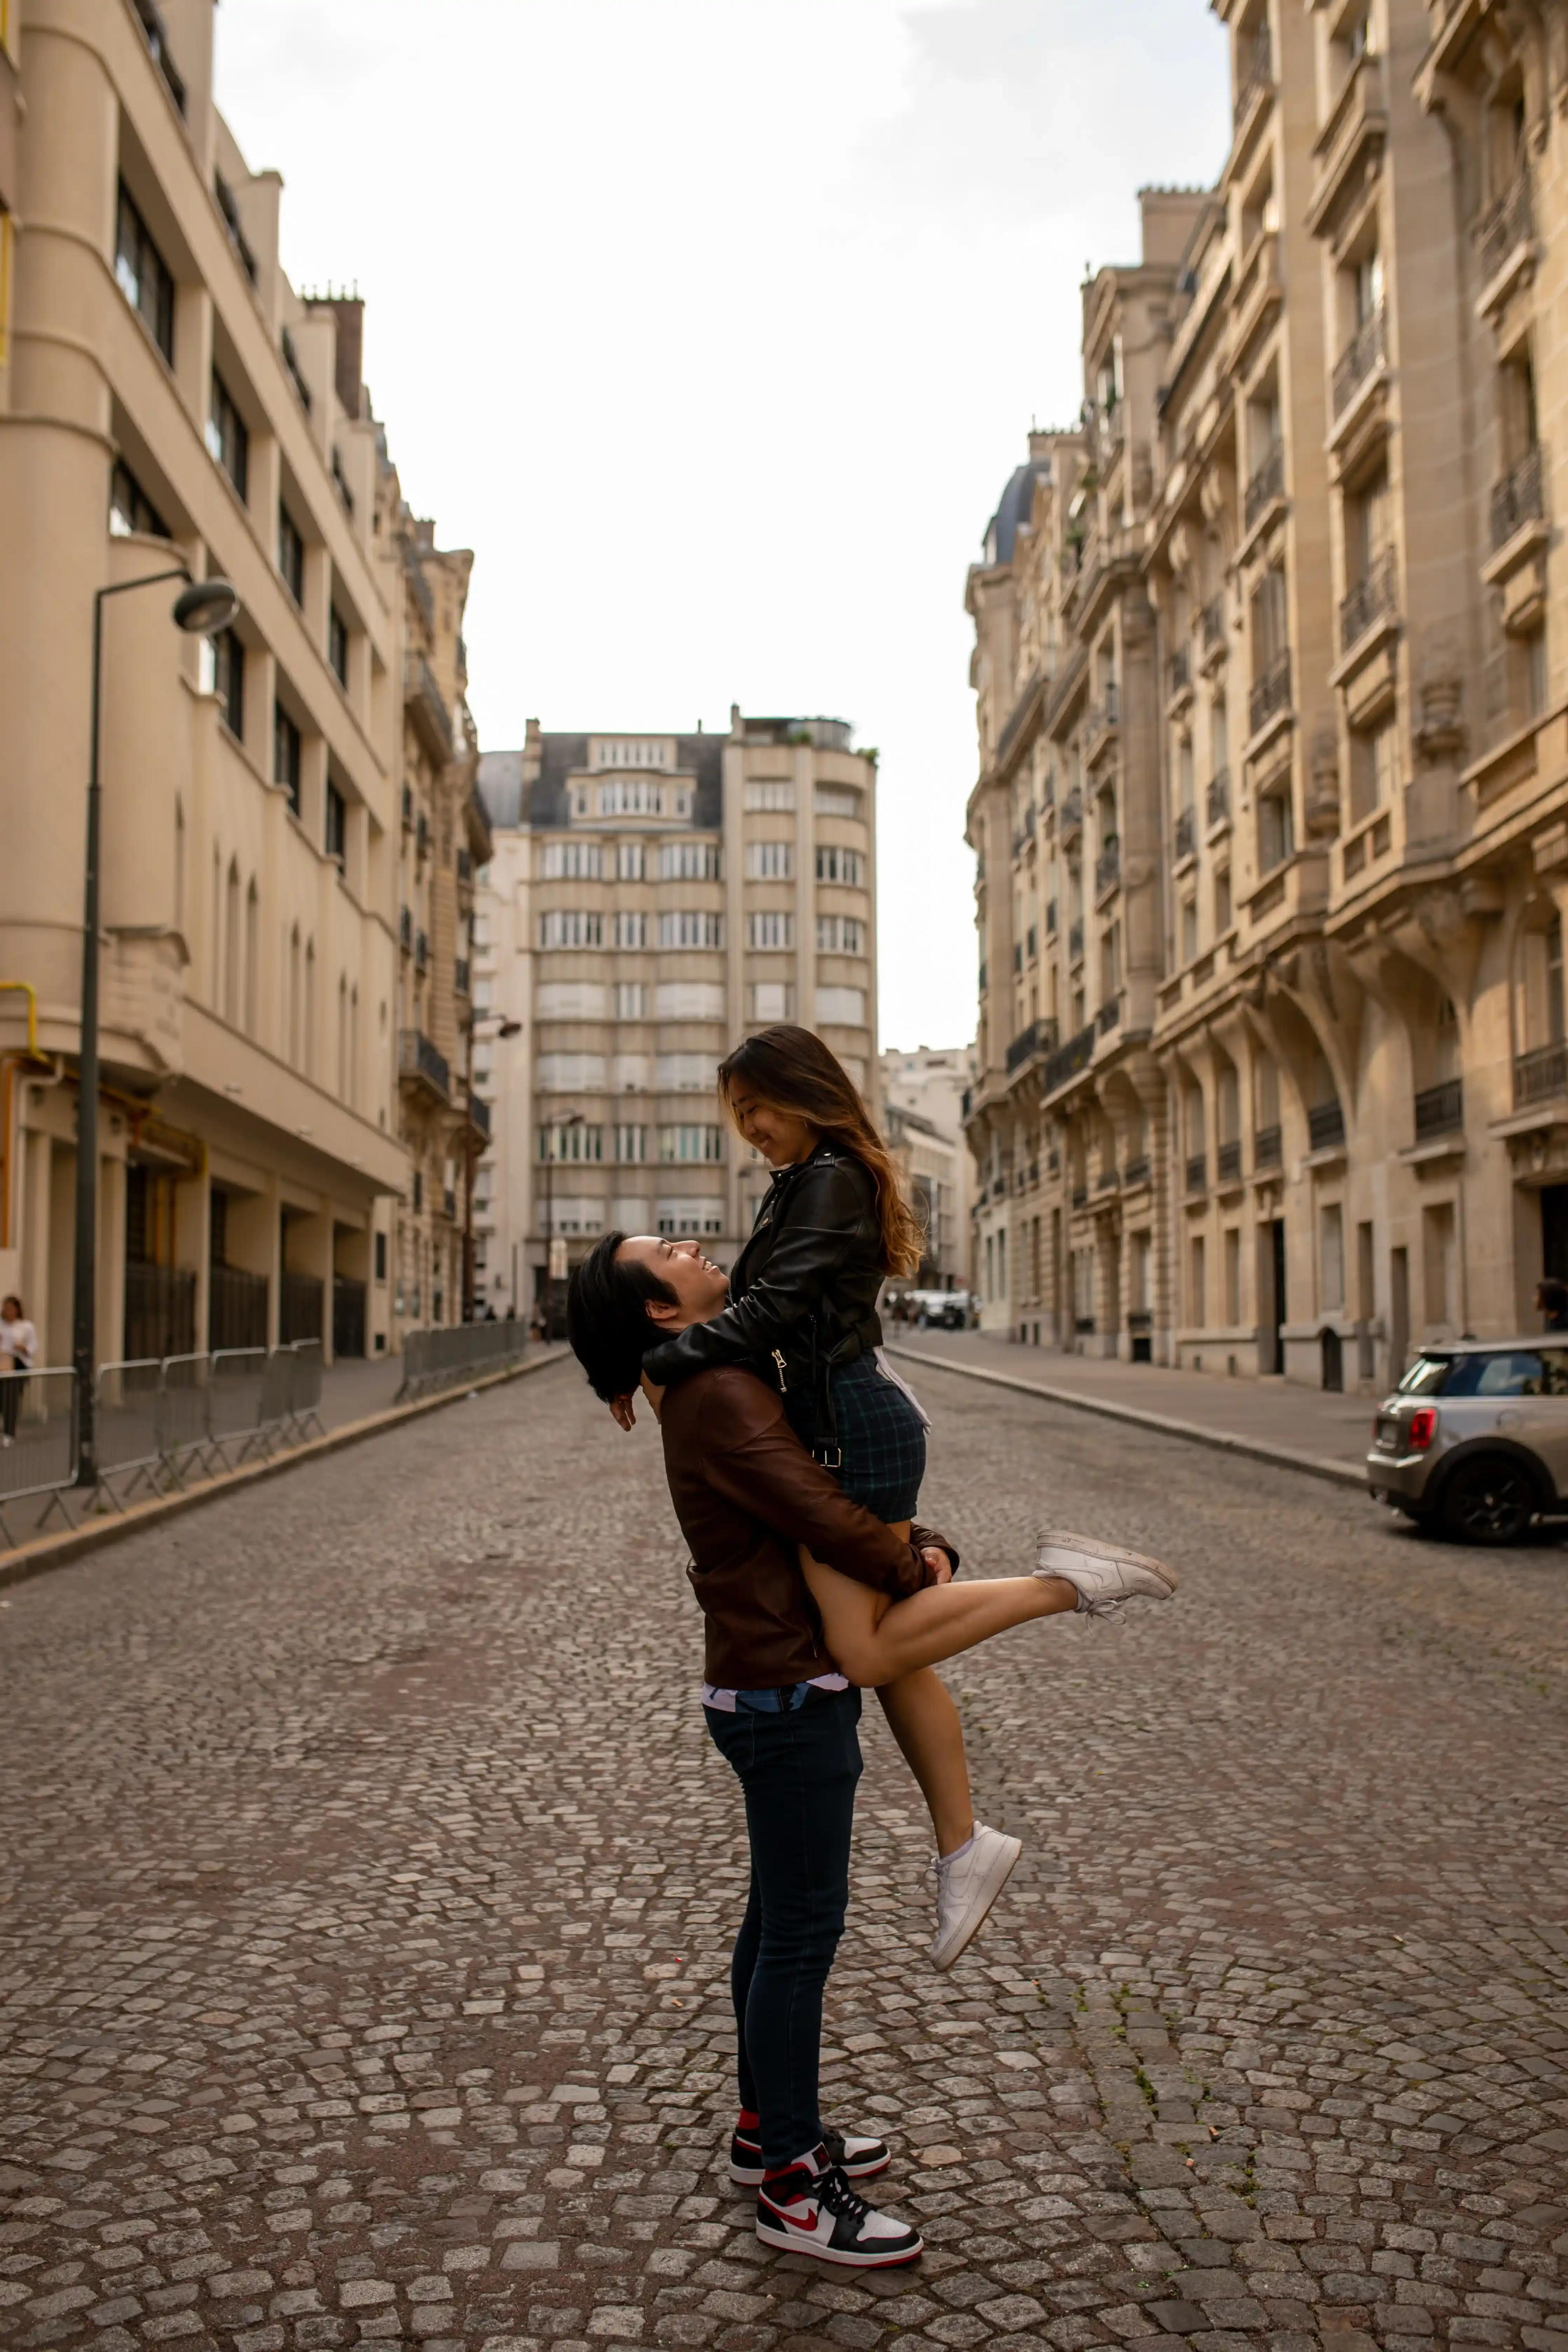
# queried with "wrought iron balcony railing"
point(1375, 593)
point(1510, 223)
point(1540, 1075)
point(1069, 1059)
point(1254, 72)
point(1266, 1148)
point(1519, 498)
point(1217, 798)
point(1267, 484)
point(1228, 1162)
point(1186, 832)
point(1075, 940)
point(1271, 693)
point(418, 1058)
point(1326, 1126)
point(1108, 868)
point(1439, 1110)
point(1198, 1172)
point(1364, 351)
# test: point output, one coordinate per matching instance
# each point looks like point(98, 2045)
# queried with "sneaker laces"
point(834, 2190)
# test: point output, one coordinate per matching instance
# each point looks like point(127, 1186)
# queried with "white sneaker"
point(1102, 1576)
point(967, 1884)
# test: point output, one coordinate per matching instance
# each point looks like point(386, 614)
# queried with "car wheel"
point(1490, 1500)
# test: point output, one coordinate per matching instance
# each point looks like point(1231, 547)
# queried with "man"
point(748, 1494)
point(1551, 1303)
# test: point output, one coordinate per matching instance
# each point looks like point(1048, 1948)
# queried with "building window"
point(1276, 828)
point(691, 1143)
point(338, 645)
point(846, 866)
point(143, 274)
point(629, 862)
point(635, 797)
point(571, 861)
point(772, 1000)
point(631, 1145)
point(571, 927)
point(337, 827)
point(1375, 770)
point(840, 935)
point(130, 507)
point(1189, 925)
point(1222, 908)
point(843, 1005)
point(1197, 1282)
point(628, 1000)
point(838, 800)
point(678, 1217)
point(684, 1073)
point(770, 861)
point(630, 751)
point(291, 555)
point(690, 999)
point(771, 792)
point(560, 1142)
point(689, 861)
point(228, 441)
point(770, 930)
point(691, 928)
point(628, 931)
point(226, 656)
point(286, 755)
point(381, 1258)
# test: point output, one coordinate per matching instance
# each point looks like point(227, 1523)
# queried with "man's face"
point(700, 1287)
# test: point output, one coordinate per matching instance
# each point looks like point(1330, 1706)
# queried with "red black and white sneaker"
point(858, 2157)
point(812, 2210)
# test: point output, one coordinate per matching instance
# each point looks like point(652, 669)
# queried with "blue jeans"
point(797, 1770)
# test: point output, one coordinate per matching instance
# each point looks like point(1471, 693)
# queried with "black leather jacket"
point(803, 1293)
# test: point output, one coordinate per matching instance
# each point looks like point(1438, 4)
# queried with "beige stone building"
point(651, 898)
point(445, 841)
point(923, 1091)
point(166, 396)
point(1273, 802)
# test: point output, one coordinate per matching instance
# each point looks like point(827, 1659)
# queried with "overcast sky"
point(715, 328)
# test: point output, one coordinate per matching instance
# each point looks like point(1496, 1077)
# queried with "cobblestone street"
point(370, 1880)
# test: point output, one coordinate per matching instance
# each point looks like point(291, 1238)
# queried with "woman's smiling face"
point(783, 1140)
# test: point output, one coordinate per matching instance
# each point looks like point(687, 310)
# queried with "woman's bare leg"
point(924, 1721)
point(876, 1640)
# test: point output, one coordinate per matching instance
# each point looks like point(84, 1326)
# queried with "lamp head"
point(206, 606)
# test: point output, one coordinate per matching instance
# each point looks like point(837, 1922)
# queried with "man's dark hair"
point(1551, 1294)
point(607, 1319)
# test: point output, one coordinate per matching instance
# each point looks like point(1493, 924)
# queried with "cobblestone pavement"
point(370, 1880)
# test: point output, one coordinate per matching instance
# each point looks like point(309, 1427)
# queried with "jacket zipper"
point(778, 1359)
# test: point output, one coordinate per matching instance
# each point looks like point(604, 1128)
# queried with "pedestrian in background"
point(18, 1353)
point(1552, 1302)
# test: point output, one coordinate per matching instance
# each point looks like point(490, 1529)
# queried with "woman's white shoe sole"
point(792, 2242)
point(944, 1951)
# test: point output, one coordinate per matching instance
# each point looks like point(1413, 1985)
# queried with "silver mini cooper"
point(1474, 1441)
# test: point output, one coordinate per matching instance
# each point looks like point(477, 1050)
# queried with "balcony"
point(1107, 1181)
point(1074, 941)
point(1137, 1170)
point(406, 931)
point(1267, 486)
point(414, 573)
point(421, 951)
point(1440, 1109)
point(1347, 147)
point(1198, 1172)
point(1266, 1148)
point(1213, 626)
point(419, 1061)
point(460, 975)
point(152, 22)
point(1069, 1059)
point(465, 867)
point(422, 836)
point(1070, 818)
point(1519, 499)
point(1374, 597)
point(1326, 1126)
point(1080, 1196)
point(449, 1204)
point(1106, 1019)
point(1541, 1076)
point(422, 697)
point(1038, 1039)
point(1178, 674)
point(407, 808)
point(1101, 720)
point(1361, 357)
point(1186, 838)
point(1228, 1162)
point(1050, 919)
point(1216, 801)
point(480, 1116)
point(1505, 230)
point(1108, 868)
point(1271, 695)
point(1254, 75)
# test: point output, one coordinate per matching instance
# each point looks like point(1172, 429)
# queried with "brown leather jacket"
point(747, 1493)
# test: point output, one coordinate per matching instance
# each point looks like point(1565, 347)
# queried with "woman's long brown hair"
point(790, 1069)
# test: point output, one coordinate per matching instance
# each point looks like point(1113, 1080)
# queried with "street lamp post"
point(503, 1029)
point(205, 606)
point(554, 1128)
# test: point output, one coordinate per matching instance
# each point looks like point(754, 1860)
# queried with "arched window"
point(252, 959)
point(232, 944)
point(1541, 1009)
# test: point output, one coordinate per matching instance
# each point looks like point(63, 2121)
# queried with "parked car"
point(1474, 1441)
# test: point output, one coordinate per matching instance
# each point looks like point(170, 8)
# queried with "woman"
point(18, 1353)
point(832, 1228)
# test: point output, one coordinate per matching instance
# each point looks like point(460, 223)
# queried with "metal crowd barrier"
point(457, 1351)
point(39, 1430)
point(159, 1423)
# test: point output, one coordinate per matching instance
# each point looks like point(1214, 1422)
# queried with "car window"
point(1555, 1361)
point(1512, 1372)
point(1426, 1376)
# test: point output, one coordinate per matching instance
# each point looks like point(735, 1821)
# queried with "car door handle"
point(1508, 1420)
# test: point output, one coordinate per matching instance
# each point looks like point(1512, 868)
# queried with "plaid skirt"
point(881, 1439)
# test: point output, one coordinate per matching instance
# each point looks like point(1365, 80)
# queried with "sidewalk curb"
point(1284, 1457)
point(36, 1558)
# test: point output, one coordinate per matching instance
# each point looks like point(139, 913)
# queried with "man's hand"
point(624, 1412)
point(938, 1566)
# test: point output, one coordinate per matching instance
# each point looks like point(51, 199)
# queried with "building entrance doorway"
point(1555, 1230)
point(1271, 1294)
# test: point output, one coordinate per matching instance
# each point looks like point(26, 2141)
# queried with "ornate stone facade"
point(1272, 813)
